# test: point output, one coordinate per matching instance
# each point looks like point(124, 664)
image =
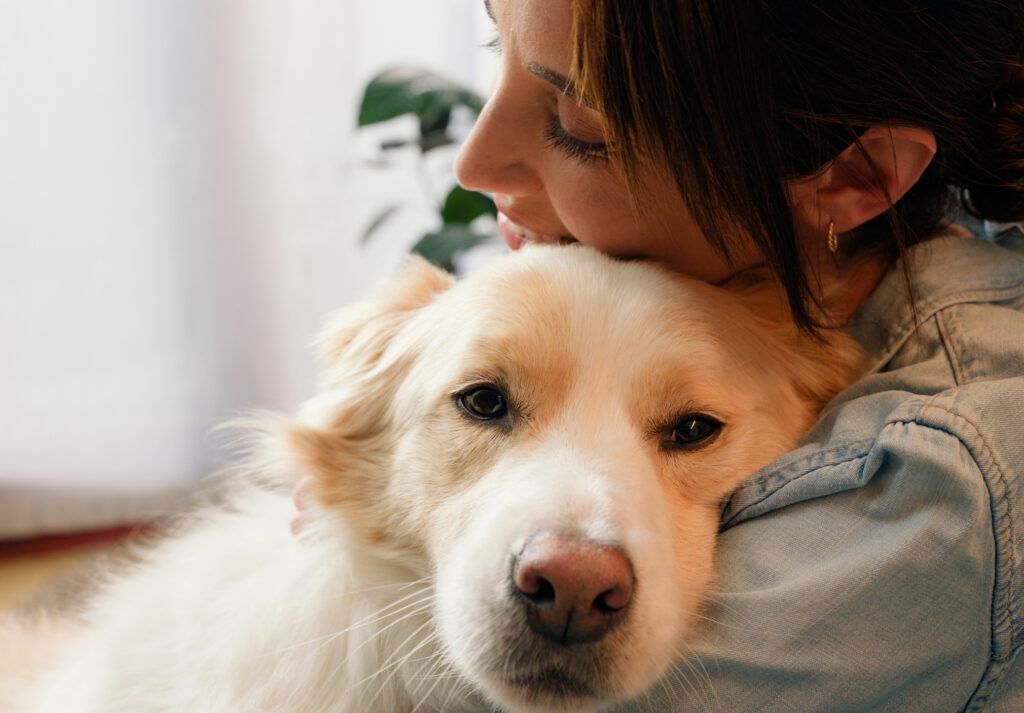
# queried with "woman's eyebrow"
point(558, 81)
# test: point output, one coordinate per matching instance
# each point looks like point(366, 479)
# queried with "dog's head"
point(551, 440)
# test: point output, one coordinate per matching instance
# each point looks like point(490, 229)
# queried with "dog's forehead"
point(576, 304)
point(578, 288)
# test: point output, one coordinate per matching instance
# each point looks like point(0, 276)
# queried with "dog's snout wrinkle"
point(573, 591)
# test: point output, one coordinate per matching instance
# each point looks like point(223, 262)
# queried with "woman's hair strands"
point(734, 98)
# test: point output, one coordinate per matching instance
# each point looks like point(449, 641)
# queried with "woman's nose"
point(501, 154)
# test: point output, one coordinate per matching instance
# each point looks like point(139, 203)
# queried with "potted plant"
point(432, 99)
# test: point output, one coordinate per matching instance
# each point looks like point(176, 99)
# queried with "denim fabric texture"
point(877, 567)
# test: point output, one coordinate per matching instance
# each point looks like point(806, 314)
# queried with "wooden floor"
point(21, 575)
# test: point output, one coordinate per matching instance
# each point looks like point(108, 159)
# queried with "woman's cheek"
point(595, 213)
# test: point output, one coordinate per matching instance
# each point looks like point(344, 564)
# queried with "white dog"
point(517, 483)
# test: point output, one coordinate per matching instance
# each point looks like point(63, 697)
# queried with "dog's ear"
point(357, 335)
point(817, 366)
point(343, 438)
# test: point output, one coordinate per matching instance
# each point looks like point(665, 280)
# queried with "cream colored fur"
point(396, 596)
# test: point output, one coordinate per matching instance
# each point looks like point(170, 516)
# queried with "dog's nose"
point(573, 591)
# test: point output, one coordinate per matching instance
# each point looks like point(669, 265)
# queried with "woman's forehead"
point(537, 31)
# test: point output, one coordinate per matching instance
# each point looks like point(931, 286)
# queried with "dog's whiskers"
point(371, 618)
point(439, 661)
point(463, 688)
point(707, 676)
point(417, 608)
point(427, 696)
point(389, 611)
point(692, 661)
point(395, 666)
point(391, 585)
point(410, 610)
point(443, 672)
point(714, 599)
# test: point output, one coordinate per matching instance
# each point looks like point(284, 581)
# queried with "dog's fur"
point(396, 597)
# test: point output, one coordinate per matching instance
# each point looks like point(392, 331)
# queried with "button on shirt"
point(877, 567)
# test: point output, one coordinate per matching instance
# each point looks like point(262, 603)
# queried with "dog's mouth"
point(553, 685)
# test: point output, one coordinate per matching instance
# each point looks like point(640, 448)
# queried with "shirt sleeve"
point(877, 598)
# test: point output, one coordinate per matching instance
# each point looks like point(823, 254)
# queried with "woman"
point(877, 567)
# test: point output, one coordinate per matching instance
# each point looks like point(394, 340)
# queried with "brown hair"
point(736, 97)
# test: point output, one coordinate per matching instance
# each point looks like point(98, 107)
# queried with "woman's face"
point(540, 154)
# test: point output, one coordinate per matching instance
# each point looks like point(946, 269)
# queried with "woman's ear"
point(864, 179)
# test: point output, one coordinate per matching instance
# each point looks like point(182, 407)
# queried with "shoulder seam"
point(1002, 614)
point(857, 450)
point(947, 345)
point(928, 309)
point(989, 452)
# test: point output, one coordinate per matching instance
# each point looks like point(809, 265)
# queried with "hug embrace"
point(856, 149)
point(738, 427)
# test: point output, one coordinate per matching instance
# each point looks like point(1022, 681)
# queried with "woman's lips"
point(516, 235)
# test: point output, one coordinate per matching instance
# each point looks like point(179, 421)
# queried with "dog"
point(516, 487)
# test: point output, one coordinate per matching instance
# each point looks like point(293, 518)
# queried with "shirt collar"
point(945, 270)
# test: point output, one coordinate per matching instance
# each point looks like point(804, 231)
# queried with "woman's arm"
point(894, 593)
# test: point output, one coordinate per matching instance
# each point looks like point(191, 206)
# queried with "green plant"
point(431, 98)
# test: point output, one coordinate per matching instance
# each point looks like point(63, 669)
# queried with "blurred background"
point(183, 197)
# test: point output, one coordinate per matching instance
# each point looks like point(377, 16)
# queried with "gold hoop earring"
point(833, 239)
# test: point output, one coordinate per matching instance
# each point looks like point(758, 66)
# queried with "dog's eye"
point(484, 402)
point(692, 431)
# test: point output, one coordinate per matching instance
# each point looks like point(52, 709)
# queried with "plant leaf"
point(435, 123)
point(463, 207)
point(439, 247)
point(429, 142)
point(405, 90)
point(376, 223)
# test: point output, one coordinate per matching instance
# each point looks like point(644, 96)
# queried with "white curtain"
point(182, 193)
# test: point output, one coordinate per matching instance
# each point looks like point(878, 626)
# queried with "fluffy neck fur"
point(277, 624)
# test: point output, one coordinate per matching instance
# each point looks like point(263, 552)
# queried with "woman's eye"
point(486, 403)
point(557, 137)
point(493, 44)
point(692, 431)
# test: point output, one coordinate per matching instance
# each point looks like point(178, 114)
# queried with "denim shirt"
point(877, 567)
